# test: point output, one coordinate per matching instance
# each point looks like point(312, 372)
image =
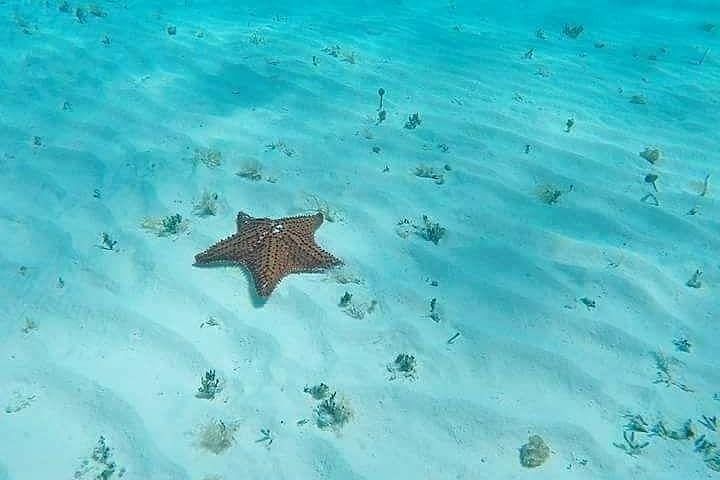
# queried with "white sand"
point(118, 351)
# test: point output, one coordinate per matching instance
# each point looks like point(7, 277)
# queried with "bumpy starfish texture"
point(271, 249)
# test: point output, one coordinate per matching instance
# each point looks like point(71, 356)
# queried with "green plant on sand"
point(333, 413)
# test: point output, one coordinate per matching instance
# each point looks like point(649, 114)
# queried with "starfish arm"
point(227, 250)
point(308, 257)
point(268, 266)
point(304, 224)
point(242, 219)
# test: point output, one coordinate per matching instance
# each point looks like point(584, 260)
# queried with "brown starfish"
point(272, 248)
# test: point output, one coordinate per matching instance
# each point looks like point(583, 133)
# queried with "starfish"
point(271, 249)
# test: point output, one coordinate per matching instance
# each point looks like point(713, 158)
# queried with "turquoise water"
point(522, 196)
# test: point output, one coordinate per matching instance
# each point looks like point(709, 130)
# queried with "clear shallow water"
point(575, 270)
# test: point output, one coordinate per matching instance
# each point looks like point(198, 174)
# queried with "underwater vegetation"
point(631, 446)
point(207, 205)
point(318, 392)
point(281, 147)
point(534, 453)
point(30, 326)
point(347, 56)
point(413, 121)
point(652, 178)
point(209, 157)
point(428, 230)
point(550, 194)
point(333, 413)
point(168, 226)
point(636, 424)
point(665, 375)
point(682, 344)
point(252, 170)
point(106, 242)
point(210, 385)
point(216, 436)
point(19, 401)
point(694, 281)
point(404, 366)
point(424, 171)
point(639, 99)
point(100, 465)
point(434, 311)
point(355, 309)
point(329, 213)
point(651, 154)
point(573, 30)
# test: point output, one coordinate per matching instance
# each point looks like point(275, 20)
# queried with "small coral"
point(217, 436)
point(429, 172)
point(333, 413)
point(207, 156)
point(30, 326)
point(403, 366)
point(686, 432)
point(534, 453)
point(99, 466)
point(18, 402)
point(664, 364)
point(652, 178)
point(636, 423)
point(97, 10)
point(333, 50)
point(282, 147)
point(257, 38)
point(166, 226)
point(631, 446)
point(573, 30)
point(549, 194)
point(713, 461)
point(434, 311)
point(107, 243)
point(81, 15)
point(695, 280)
point(358, 310)
point(413, 121)
point(682, 344)
point(651, 154)
point(588, 302)
point(704, 446)
point(711, 423)
point(350, 58)
point(210, 385)
point(172, 225)
point(345, 300)
point(430, 231)
point(569, 124)
point(252, 170)
point(329, 213)
point(355, 309)
point(318, 392)
point(207, 205)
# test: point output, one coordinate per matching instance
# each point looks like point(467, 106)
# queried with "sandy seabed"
point(563, 285)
